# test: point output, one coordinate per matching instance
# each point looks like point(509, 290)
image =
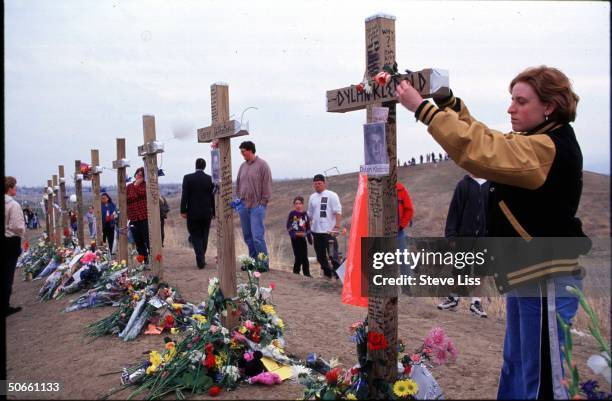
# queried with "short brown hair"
point(554, 87)
point(9, 183)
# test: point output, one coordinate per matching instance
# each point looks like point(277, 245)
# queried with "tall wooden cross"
point(120, 164)
point(78, 188)
point(382, 195)
point(62, 195)
point(57, 224)
point(95, 188)
point(45, 204)
point(223, 129)
point(149, 152)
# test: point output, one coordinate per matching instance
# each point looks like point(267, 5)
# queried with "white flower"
point(231, 371)
point(300, 370)
point(109, 286)
point(367, 88)
point(600, 365)
point(264, 293)
point(224, 331)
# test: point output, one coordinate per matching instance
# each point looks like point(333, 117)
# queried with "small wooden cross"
point(382, 195)
point(62, 195)
point(57, 237)
point(96, 170)
point(224, 129)
point(78, 188)
point(49, 205)
point(120, 165)
point(149, 152)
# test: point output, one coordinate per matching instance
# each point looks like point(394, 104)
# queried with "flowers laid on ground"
point(153, 305)
point(210, 358)
point(258, 264)
point(36, 258)
point(413, 377)
point(600, 364)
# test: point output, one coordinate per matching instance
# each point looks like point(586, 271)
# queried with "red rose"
point(169, 321)
point(273, 286)
point(332, 376)
point(382, 77)
point(360, 88)
point(210, 361)
point(66, 232)
point(140, 258)
point(214, 391)
point(376, 341)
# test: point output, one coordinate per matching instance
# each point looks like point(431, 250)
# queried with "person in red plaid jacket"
point(137, 212)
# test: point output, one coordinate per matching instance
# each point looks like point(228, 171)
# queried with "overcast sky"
point(79, 74)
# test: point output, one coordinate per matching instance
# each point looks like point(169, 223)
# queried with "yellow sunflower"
point(404, 388)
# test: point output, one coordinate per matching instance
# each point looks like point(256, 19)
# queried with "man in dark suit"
point(198, 207)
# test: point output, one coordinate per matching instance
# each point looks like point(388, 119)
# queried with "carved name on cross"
point(222, 129)
point(382, 196)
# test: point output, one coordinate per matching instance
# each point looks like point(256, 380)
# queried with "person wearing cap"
point(254, 189)
point(325, 211)
point(137, 212)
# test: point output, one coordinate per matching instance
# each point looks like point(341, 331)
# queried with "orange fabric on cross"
point(351, 290)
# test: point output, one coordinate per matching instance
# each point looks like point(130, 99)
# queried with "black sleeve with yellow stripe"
point(513, 159)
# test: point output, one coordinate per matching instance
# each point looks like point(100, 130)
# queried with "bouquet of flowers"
point(210, 357)
point(414, 381)
point(260, 263)
point(36, 258)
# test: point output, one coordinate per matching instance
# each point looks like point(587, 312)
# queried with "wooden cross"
point(223, 129)
point(149, 152)
point(57, 237)
point(95, 187)
point(45, 203)
point(382, 195)
point(78, 188)
point(62, 195)
point(120, 164)
point(49, 219)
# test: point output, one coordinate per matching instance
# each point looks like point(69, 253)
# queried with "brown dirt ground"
point(44, 344)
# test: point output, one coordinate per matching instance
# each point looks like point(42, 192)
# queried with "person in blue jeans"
point(535, 175)
point(254, 189)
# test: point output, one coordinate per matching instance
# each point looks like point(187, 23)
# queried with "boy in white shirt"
point(325, 212)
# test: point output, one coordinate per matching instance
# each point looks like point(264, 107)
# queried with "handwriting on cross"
point(382, 196)
point(223, 129)
point(120, 165)
point(149, 152)
point(429, 82)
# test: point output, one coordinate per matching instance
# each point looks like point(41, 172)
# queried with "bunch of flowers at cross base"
point(210, 358)
point(335, 382)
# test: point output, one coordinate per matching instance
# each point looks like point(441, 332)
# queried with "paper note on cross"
point(223, 129)
point(382, 196)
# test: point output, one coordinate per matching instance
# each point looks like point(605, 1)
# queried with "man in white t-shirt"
point(325, 212)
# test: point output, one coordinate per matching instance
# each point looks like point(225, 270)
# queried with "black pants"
point(198, 231)
point(326, 246)
point(140, 232)
point(12, 252)
point(161, 222)
point(108, 235)
point(300, 251)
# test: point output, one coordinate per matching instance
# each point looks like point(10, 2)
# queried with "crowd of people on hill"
point(429, 158)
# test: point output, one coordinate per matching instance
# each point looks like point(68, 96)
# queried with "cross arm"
point(228, 129)
point(429, 82)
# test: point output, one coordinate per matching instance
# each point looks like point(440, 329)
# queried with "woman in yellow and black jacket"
point(536, 184)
